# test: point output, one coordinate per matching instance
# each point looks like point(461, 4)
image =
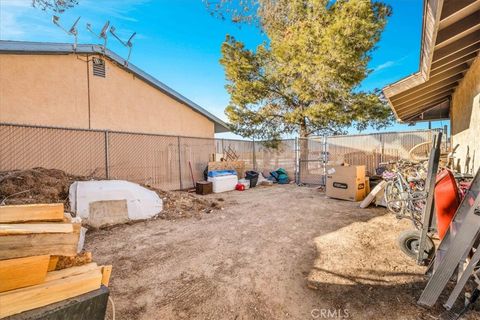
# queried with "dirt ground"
point(37, 185)
point(253, 258)
point(41, 185)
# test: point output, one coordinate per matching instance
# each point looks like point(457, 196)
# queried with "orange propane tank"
point(447, 200)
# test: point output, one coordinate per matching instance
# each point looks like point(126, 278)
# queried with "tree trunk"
point(303, 145)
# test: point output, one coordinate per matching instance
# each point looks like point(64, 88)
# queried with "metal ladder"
point(429, 223)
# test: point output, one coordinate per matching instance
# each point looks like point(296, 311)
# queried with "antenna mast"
point(127, 44)
point(73, 31)
point(102, 35)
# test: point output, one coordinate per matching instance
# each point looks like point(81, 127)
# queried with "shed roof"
point(26, 47)
point(450, 43)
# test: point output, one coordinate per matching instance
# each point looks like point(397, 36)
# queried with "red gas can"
point(447, 200)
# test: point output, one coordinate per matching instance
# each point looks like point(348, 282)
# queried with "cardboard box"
point(346, 182)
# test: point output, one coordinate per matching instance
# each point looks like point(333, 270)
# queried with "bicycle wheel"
point(393, 198)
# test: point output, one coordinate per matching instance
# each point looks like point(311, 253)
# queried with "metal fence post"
point(382, 155)
point(325, 160)
point(297, 165)
point(254, 158)
point(179, 163)
point(107, 155)
point(445, 132)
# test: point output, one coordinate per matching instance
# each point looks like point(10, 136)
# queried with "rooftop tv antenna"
point(127, 44)
point(73, 31)
point(102, 34)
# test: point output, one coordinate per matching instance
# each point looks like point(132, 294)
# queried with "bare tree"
point(58, 6)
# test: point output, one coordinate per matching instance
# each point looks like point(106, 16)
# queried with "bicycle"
point(404, 191)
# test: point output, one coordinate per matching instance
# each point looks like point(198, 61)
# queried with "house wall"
point(43, 90)
point(121, 101)
point(465, 119)
point(61, 90)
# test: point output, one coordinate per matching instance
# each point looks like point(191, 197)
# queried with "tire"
point(408, 242)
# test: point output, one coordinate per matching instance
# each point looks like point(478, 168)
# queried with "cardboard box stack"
point(35, 241)
point(346, 182)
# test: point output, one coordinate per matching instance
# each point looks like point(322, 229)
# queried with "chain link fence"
point(372, 149)
point(173, 162)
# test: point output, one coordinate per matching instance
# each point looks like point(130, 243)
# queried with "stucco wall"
point(44, 90)
point(54, 90)
point(121, 101)
point(465, 119)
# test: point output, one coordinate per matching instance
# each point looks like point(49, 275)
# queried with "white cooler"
point(223, 183)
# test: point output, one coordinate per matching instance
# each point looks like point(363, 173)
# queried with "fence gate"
point(362, 149)
point(312, 156)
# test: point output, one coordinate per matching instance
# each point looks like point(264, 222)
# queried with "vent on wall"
point(98, 67)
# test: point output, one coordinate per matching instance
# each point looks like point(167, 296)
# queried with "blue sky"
point(178, 42)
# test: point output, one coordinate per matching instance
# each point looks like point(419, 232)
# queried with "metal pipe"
point(107, 155)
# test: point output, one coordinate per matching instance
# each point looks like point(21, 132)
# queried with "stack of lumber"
point(39, 264)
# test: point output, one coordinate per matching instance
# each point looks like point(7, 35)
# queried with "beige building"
point(447, 85)
point(50, 84)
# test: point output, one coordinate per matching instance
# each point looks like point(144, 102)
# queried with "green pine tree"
point(305, 79)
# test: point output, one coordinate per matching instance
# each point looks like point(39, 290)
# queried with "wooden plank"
point(65, 273)
point(452, 7)
point(19, 300)
point(52, 265)
point(23, 272)
point(81, 258)
point(456, 10)
point(456, 46)
point(458, 30)
point(31, 228)
point(106, 272)
point(31, 212)
point(24, 245)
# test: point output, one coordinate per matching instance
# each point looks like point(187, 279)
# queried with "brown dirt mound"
point(40, 185)
point(181, 204)
point(37, 185)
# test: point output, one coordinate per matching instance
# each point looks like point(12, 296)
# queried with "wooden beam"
point(474, 49)
point(79, 259)
point(33, 228)
point(424, 94)
point(24, 245)
point(458, 30)
point(19, 300)
point(431, 20)
point(65, 273)
point(422, 108)
point(53, 263)
point(31, 212)
point(427, 109)
point(457, 70)
point(455, 10)
point(22, 272)
point(404, 84)
point(423, 101)
point(106, 272)
point(465, 61)
point(456, 46)
point(450, 76)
